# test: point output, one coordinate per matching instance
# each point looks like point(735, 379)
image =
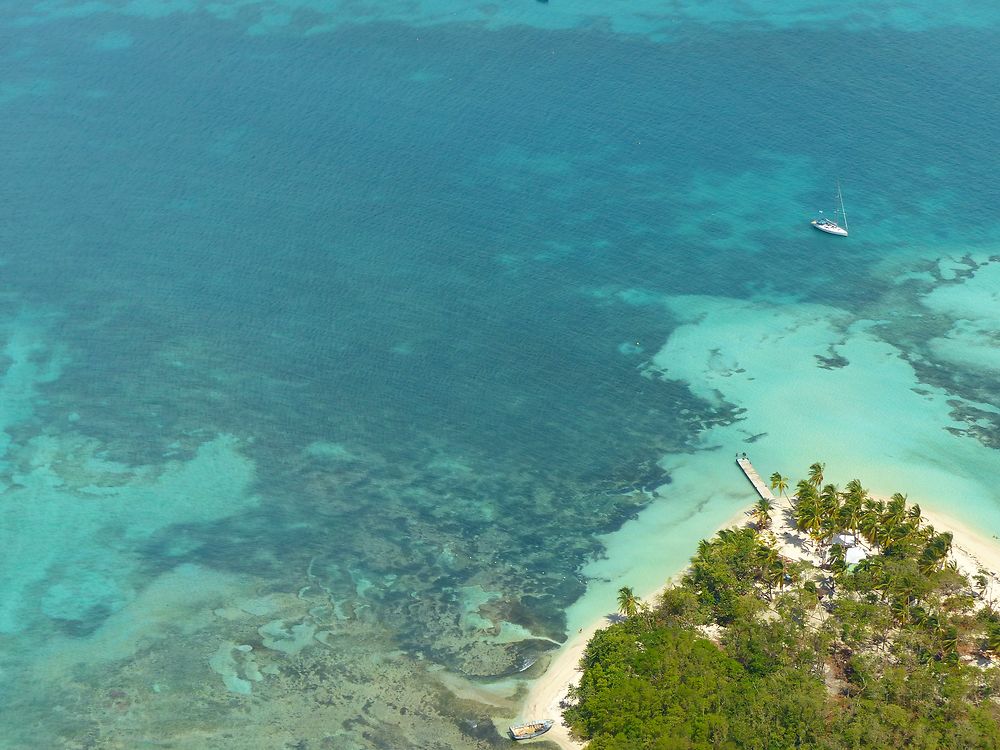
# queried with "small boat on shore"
point(530, 729)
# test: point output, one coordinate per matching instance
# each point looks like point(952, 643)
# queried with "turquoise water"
point(354, 355)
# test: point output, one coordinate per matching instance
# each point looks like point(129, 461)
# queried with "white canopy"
point(846, 540)
point(855, 555)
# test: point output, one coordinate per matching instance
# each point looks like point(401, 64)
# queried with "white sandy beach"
point(971, 552)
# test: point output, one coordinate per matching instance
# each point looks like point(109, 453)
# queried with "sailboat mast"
point(843, 211)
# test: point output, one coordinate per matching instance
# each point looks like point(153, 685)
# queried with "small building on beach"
point(853, 552)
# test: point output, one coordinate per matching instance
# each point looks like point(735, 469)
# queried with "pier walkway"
point(758, 484)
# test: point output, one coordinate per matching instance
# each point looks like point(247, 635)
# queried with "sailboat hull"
point(825, 225)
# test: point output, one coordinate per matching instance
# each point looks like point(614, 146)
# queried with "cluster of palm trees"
point(762, 560)
point(891, 528)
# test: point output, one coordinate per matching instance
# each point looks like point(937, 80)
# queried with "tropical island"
point(830, 619)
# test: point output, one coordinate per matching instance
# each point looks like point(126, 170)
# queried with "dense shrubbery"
point(801, 657)
point(668, 687)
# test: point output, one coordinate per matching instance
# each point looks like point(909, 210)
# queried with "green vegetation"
point(779, 483)
point(762, 513)
point(754, 650)
point(628, 602)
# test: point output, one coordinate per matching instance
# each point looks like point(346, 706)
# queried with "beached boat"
point(829, 226)
point(530, 729)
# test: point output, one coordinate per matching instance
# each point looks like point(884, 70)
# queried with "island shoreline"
point(972, 552)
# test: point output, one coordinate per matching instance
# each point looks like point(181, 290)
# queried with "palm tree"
point(875, 506)
point(816, 474)
point(830, 505)
point(870, 523)
point(838, 562)
point(779, 483)
point(804, 509)
point(762, 513)
point(772, 569)
point(895, 511)
point(855, 490)
point(628, 602)
point(805, 491)
point(809, 517)
point(873, 570)
point(898, 540)
point(728, 536)
point(935, 552)
point(850, 513)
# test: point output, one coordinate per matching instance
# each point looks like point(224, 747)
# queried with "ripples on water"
point(326, 355)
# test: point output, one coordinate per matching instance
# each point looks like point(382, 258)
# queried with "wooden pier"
point(758, 484)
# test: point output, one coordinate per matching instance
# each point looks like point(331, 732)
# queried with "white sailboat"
point(829, 226)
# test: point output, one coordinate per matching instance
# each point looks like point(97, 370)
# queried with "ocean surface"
point(354, 354)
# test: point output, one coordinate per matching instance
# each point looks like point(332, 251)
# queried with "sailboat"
point(824, 224)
